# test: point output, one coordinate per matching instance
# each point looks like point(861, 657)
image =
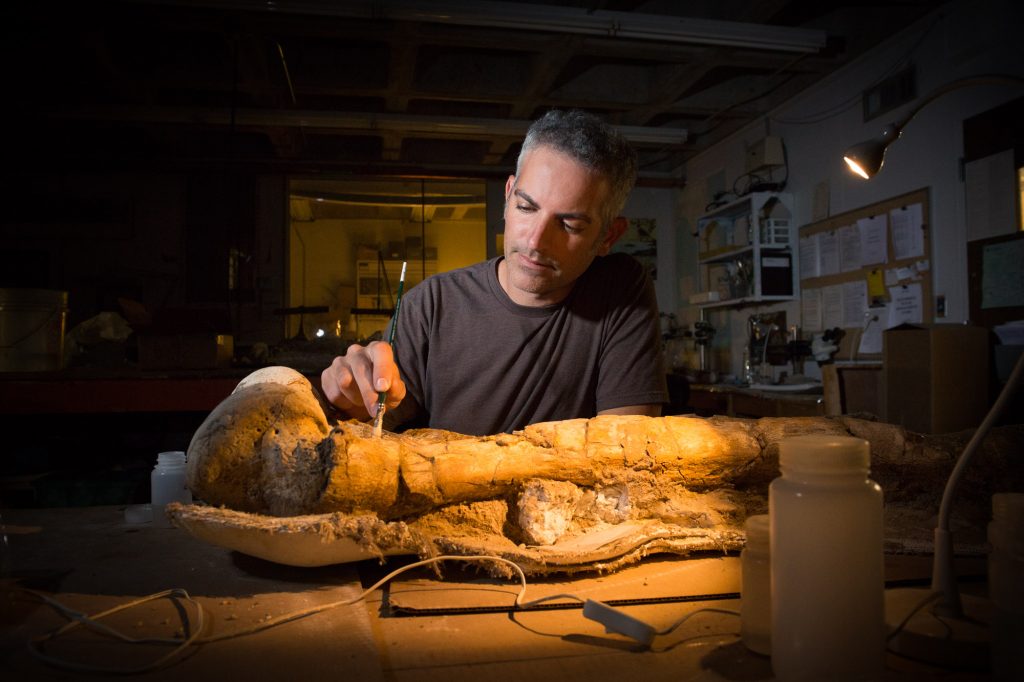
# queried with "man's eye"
point(569, 227)
point(525, 208)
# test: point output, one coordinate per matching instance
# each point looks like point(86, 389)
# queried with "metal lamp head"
point(866, 158)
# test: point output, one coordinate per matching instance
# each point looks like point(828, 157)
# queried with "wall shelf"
point(746, 252)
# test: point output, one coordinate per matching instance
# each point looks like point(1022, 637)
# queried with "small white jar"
point(167, 484)
point(756, 595)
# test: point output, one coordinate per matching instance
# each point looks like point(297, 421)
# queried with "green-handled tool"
point(378, 420)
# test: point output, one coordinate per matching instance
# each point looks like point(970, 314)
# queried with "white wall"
point(959, 40)
point(659, 203)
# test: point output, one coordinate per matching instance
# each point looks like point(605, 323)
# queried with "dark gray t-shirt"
point(477, 363)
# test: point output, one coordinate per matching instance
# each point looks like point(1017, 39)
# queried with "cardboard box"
point(935, 377)
point(185, 351)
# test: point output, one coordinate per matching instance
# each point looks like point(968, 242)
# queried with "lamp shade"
point(866, 158)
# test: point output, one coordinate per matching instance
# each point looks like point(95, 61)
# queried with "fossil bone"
point(676, 483)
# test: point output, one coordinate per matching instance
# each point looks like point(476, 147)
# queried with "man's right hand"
point(352, 381)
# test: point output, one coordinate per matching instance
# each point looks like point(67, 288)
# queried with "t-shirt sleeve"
point(411, 347)
point(632, 369)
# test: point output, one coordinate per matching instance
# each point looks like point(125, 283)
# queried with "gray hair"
point(592, 143)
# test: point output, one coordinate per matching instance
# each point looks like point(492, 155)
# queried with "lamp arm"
point(943, 573)
point(991, 79)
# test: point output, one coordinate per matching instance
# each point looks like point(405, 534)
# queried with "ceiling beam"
point(401, 124)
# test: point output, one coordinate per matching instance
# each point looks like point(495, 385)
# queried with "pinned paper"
point(873, 240)
point(849, 248)
point(855, 302)
point(809, 256)
point(876, 286)
point(828, 254)
point(832, 306)
point(906, 274)
point(907, 305)
point(810, 310)
point(907, 231)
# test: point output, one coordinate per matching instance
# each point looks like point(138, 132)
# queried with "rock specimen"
point(557, 495)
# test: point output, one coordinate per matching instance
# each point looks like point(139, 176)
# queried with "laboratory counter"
point(733, 400)
point(450, 625)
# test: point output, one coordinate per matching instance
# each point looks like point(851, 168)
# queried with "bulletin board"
point(867, 270)
point(995, 272)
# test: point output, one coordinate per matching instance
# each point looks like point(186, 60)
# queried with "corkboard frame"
point(848, 345)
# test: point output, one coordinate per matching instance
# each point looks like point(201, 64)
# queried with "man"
point(554, 329)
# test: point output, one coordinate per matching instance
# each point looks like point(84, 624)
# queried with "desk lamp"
point(958, 633)
point(866, 158)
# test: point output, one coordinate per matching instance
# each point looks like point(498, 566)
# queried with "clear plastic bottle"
point(1006, 585)
point(168, 485)
point(756, 603)
point(748, 370)
point(827, 563)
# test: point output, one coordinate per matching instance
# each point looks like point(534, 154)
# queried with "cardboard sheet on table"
point(651, 579)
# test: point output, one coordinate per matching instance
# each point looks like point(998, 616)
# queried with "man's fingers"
point(341, 387)
point(386, 378)
point(353, 381)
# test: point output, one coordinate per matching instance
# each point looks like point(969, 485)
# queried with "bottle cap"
point(170, 458)
point(758, 531)
point(824, 454)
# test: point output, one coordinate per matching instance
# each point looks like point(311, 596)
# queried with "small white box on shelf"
point(704, 297)
point(775, 232)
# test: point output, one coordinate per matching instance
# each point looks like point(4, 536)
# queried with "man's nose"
point(539, 231)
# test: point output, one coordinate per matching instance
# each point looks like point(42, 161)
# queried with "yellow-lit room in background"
point(347, 241)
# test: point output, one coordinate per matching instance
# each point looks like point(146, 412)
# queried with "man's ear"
point(615, 231)
point(509, 184)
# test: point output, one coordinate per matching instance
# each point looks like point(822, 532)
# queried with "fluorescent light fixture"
point(866, 158)
point(552, 18)
point(606, 23)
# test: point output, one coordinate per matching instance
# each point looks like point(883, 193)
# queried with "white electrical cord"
point(869, 317)
point(76, 618)
point(943, 572)
point(613, 620)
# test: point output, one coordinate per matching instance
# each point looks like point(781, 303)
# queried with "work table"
point(92, 559)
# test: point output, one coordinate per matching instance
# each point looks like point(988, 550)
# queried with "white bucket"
point(32, 329)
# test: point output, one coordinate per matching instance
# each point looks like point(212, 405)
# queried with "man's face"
point(552, 227)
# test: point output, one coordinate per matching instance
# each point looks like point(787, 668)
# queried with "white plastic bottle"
point(168, 485)
point(827, 563)
point(756, 602)
point(1006, 585)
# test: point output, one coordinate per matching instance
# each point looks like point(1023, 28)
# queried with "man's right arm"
point(352, 381)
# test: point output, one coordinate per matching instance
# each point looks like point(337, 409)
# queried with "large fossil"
point(289, 485)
